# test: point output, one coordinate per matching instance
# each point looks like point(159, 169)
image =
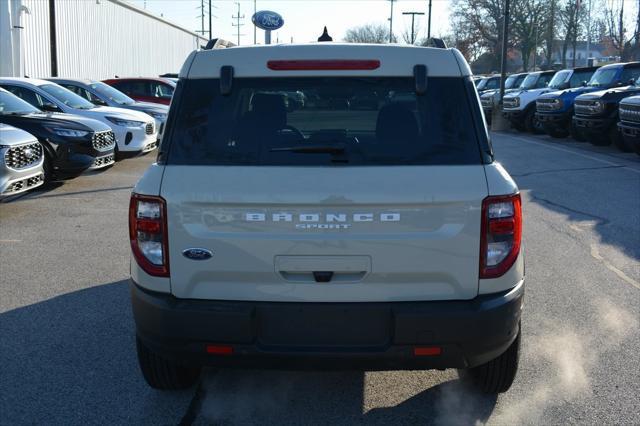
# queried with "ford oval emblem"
point(267, 20)
point(197, 254)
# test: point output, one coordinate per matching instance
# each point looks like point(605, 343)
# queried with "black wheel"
point(47, 168)
point(618, 140)
point(577, 134)
point(163, 374)
point(531, 123)
point(599, 140)
point(497, 375)
point(556, 133)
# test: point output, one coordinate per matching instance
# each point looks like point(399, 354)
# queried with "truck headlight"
point(597, 107)
point(124, 122)
point(73, 133)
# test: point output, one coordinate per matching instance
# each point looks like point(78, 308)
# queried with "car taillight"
point(148, 234)
point(501, 234)
point(323, 64)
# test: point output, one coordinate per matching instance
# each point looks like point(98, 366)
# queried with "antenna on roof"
point(325, 36)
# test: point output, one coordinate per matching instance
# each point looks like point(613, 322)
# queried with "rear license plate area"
point(323, 326)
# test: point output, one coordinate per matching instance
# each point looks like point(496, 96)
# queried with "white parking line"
point(595, 253)
point(557, 148)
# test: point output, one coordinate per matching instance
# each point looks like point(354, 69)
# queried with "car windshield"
point(112, 93)
point(67, 97)
point(603, 77)
point(482, 83)
point(559, 79)
point(510, 82)
point(12, 105)
point(530, 81)
point(342, 121)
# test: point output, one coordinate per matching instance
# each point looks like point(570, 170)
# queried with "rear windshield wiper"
point(312, 149)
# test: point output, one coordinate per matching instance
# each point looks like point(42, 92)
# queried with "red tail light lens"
point(501, 234)
point(148, 234)
point(324, 65)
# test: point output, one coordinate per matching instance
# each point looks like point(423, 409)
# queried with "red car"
point(142, 89)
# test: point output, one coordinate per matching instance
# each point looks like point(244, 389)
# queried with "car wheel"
point(497, 375)
point(577, 134)
point(163, 374)
point(600, 140)
point(618, 140)
point(532, 124)
point(47, 168)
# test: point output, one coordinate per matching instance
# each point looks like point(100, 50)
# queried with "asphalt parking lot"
point(66, 331)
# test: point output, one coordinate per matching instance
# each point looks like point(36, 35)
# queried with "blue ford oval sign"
point(267, 20)
point(197, 254)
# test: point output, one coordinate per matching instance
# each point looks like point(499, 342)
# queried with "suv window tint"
point(138, 88)
point(26, 95)
point(578, 77)
point(628, 74)
point(161, 90)
point(543, 81)
point(365, 121)
point(493, 83)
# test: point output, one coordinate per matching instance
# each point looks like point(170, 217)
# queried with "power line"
point(238, 17)
point(413, 17)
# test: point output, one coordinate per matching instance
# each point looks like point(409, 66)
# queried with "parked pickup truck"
point(629, 124)
point(490, 98)
point(381, 238)
point(519, 107)
point(596, 113)
point(554, 110)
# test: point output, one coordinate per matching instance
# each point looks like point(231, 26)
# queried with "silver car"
point(21, 158)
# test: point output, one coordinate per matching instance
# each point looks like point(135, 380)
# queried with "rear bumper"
point(364, 336)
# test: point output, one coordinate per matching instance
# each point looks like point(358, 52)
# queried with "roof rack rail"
point(436, 42)
point(218, 43)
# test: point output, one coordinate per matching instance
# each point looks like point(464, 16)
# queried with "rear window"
point(323, 121)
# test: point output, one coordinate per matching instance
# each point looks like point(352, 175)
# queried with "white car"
point(135, 131)
point(519, 106)
point(384, 237)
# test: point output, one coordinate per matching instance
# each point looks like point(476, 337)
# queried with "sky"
point(303, 19)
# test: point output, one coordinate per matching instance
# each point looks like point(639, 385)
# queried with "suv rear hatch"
point(324, 189)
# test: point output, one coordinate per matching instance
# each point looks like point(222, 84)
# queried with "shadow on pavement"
point(71, 360)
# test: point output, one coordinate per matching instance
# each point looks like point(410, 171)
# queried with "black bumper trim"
point(370, 336)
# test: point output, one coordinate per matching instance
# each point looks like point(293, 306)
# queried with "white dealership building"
point(89, 39)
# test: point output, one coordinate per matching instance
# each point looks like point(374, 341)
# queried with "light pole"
point(255, 41)
point(429, 22)
point(503, 61)
point(391, 23)
point(413, 17)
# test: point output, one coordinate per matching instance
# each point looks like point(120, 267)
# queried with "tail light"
point(323, 64)
point(148, 234)
point(501, 234)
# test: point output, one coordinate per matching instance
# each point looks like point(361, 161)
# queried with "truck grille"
point(104, 141)
point(630, 113)
point(23, 156)
point(585, 107)
point(149, 128)
point(486, 102)
point(546, 105)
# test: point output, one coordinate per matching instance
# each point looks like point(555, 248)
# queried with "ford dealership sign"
point(267, 20)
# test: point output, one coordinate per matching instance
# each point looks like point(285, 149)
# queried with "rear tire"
point(497, 375)
point(163, 374)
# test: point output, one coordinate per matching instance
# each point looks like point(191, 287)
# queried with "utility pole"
point(429, 22)
point(255, 41)
point(413, 17)
point(238, 17)
point(535, 46)
point(503, 60)
point(391, 23)
point(589, 32)
point(210, 37)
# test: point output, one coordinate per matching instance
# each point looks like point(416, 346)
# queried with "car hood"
point(611, 94)
point(631, 100)
point(10, 135)
point(68, 121)
point(122, 113)
point(148, 107)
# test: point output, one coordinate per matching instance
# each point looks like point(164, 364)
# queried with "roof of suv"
point(395, 60)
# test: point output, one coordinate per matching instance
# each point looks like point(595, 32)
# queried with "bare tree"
point(409, 38)
point(570, 17)
point(368, 33)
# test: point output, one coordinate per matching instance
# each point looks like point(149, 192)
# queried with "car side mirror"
point(632, 82)
point(619, 83)
point(49, 107)
point(584, 83)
